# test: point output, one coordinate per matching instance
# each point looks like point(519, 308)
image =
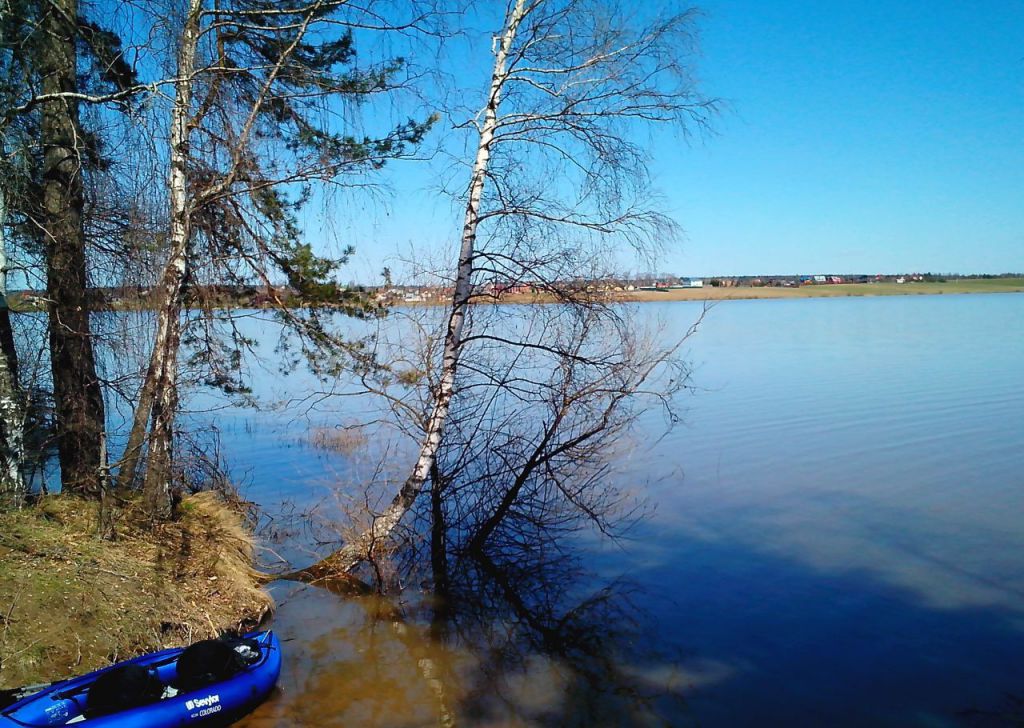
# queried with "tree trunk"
point(165, 348)
point(77, 395)
point(353, 554)
point(163, 367)
point(157, 490)
point(12, 414)
point(129, 464)
point(537, 458)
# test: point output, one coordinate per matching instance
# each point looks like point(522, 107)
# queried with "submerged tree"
point(524, 633)
point(557, 187)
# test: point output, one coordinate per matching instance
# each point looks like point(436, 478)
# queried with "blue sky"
point(856, 137)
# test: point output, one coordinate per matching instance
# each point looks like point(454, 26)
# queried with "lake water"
point(836, 537)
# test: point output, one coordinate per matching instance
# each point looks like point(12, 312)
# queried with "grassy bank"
point(70, 603)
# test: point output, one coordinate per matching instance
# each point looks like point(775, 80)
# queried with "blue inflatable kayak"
point(217, 703)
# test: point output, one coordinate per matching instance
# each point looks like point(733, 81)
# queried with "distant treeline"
point(129, 298)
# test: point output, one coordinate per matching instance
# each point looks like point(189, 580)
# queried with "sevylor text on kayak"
point(208, 683)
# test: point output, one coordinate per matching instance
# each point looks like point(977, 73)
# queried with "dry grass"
point(343, 440)
point(70, 603)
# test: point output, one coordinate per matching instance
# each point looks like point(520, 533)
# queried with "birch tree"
point(15, 162)
point(261, 93)
point(558, 181)
point(12, 418)
point(12, 455)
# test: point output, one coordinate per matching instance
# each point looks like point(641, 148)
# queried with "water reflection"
point(556, 655)
point(844, 549)
point(516, 637)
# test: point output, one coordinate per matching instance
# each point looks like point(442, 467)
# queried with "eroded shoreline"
point(73, 603)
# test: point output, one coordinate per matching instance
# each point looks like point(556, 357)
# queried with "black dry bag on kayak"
point(210, 661)
point(122, 688)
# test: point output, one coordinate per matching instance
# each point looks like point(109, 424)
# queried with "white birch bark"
point(160, 393)
point(158, 400)
point(12, 415)
point(347, 558)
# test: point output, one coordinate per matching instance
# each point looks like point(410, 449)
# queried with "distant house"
point(820, 279)
point(501, 289)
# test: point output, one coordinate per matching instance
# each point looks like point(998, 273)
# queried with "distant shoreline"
point(24, 302)
point(825, 290)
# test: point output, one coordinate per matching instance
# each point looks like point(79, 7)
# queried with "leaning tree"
point(557, 192)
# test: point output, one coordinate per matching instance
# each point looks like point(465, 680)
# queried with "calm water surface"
point(837, 538)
